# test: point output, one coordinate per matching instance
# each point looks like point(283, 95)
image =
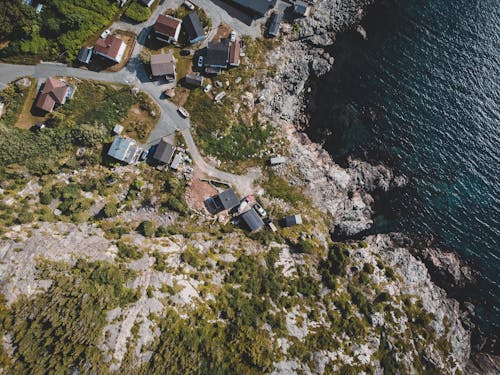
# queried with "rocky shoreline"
point(346, 192)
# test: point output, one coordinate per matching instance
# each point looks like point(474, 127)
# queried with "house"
point(111, 48)
point(217, 56)
point(146, 3)
point(54, 92)
point(167, 28)
point(125, 149)
point(292, 220)
point(225, 201)
point(193, 27)
point(234, 53)
point(277, 160)
point(163, 65)
point(273, 29)
point(257, 8)
point(252, 220)
point(85, 55)
point(301, 8)
point(176, 162)
point(164, 151)
point(193, 80)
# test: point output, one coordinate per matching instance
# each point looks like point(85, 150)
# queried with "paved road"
point(134, 74)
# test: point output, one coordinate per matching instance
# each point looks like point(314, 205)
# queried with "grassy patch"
point(141, 118)
point(14, 98)
point(26, 117)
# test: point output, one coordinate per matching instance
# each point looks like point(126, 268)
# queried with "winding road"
point(134, 74)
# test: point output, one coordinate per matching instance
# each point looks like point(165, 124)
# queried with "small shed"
point(252, 220)
point(164, 151)
point(193, 80)
point(292, 220)
point(177, 160)
point(273, 28)
point(276, 160)
point(118, 129)
point(301, 8)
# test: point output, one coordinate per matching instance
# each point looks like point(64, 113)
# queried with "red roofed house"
point(234, 53)
point(54, 92)
point(112, 48)
point(167, 28)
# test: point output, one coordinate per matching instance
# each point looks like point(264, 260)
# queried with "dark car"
point(185, 52)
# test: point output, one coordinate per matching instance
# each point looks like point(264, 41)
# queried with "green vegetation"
point(13, 98)
point(278, 187)
point(334, 265)
point(59, 330)
point(137, 12)
point(58, 32)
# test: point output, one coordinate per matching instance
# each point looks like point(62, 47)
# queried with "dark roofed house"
point(164, 151)
point(256, 7)
point(84, 55)
point(252, 220)
point(301, 8)
point(163, 65)
point(125, 149)
point(112, 48)
point(167, 28)
point(292, 220)
point(273, 28)
point(226, 200)
point(193, 27)
point(54, 92)
point(217, 56)
point(193, 80)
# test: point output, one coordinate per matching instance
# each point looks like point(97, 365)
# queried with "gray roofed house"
point(301, 8)
point(194, 80)
point(257, 7)
point(194, 28)
point(84, 55)
point(252, 220)
point(292, 220)
point(164, 151)
point(227, 200)
point(163, 65)
point(273, 28)
point(217, 56)
point(125, 149)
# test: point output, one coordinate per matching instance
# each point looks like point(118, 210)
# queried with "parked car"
point(105, 34)
point(189, 5)
point(144, 155)
point(207, 88)
point(183, 112)
point(260, 210)
point(233, 36)
point(185, 52)
point(200, 62)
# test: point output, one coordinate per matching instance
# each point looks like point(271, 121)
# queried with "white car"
point(183, 112)
point(207, 88)
point(189, 5)
point(233, 36)
point(105, 34)
point(260, 210)
point(200, 62)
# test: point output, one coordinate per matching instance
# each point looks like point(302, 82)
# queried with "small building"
point(111, 48)
point(146, 3)
point(54, 92)
point(125, 149)
point(226, 200)
point(164, 151)
point(118, 129)
point(38, 8)
point(234, 53)
point(85, 55)
point(301, 8)
point(252, 220)
point(164, 65)
point(193, 27)
point(292, 220)
point(257, 8)
point(193, 80)
point(276, 160)
point(273, 28)
point(167, 28)
point(217, 56)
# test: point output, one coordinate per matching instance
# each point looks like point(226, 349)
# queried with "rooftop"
point(228, 199)
point(163, 64)
point(193, 26)
point(54, 92)
point(164, 151)
point(166, 25)
point(109, 46)
point(124, 149)
point(217, 54)
point(252, 220)
point(259, 7)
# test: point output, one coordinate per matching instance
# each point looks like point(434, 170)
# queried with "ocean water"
point(422, 95)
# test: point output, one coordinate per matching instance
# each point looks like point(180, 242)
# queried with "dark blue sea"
point(422, 95)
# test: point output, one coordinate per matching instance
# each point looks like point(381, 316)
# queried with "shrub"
point(25, 217)
point(147, 228)
point(137, 12)
point(45, 197)
point(127, 251)
point(110, 209)
point(368, 268)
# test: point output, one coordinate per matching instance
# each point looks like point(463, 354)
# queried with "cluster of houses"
point(246, 211)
